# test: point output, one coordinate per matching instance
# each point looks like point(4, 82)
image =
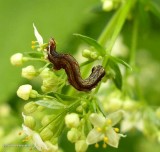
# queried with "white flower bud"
point(24, 91)
point(81, 146)
point(72, 120)
point(108, 5)
point(29, 72)
point(17, 59)
point(73, 135)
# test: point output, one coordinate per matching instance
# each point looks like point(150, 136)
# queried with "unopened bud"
point(86, 53)
point(29, 122)
point(72, 120)
point(17, 59)
point(73, 135)
point(108, 5)
point(30, 107)
point(46, 133)
point(81, 146)
point(24, 91)
point(29, 72)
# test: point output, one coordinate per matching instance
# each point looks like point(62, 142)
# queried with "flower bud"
point(86, 53)
point(108, 5)
point(29, 72)
point(30, 107)
point(17, 59)
point(34, 94)
point(29, 122)
point(72, 120)
point(46, 133)
point(49, 84)
point(24, 91)
point(79, 109)
point(46, 73)
point(73, 135)
point(81, 146)
point(93, 55)
point(46, 119)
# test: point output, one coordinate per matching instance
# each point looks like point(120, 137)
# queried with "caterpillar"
point(72, 69)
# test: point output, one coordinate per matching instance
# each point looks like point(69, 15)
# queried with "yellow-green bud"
point(46, 119)
point(93, 55)
point(24, 91)
point(46, 134)
point(30, 107)
point(81, 146)
point(84, 104)
point(108, 5)
point(72, 120)
point(86, 53)
point(29, 122)
point(50, 84)
point(73, 135)
point(46, 73)
point(29, 72)
point(79, 109)
point(34, 94)
point(17, 59)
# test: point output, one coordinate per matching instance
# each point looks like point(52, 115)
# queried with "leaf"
point(51, 104)
point(93, 43)
point(34, 54)
point(113, 28)
point(118, 60)
point(63, 97)
point(117, 76)
point(155, 8)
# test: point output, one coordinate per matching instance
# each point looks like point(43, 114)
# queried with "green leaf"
point(51, 104)
point(155, 8)
point(34, 54)
point(113, 28)
point(63, 97)
point(117, 76)
point(118, 60)
point(93, 43)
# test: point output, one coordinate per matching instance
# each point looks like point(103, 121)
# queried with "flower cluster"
point(90, 118)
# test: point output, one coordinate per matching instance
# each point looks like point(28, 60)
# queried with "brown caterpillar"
point(72, 69)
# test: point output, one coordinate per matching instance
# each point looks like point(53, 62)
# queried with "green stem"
point(115, 25)
point(134, 43)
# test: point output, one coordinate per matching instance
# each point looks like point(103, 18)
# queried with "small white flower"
point(24, 91)
point(38, 36)
point(72, 120)
point(38, 142)
point(17, 59)
point(29, 72)
point(103, 129)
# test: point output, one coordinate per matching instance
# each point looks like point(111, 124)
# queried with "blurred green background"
point(60, 19)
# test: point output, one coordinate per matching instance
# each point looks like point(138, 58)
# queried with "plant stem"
point(134, 43)
point(115, 25)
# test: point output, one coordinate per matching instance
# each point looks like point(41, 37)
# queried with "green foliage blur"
point(60, 19)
